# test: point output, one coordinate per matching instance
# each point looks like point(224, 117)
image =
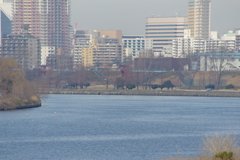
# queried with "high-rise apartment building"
point(199, 18)
point(48, 19)
point(163, 30)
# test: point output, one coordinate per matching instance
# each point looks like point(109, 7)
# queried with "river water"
point(86, 127)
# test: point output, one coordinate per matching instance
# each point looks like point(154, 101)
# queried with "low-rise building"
point(219, 61)
point(162, 64)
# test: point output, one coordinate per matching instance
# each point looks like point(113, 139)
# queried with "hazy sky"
point(130, 15)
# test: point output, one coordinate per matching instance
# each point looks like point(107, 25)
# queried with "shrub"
point(225, 155)
point(230, 86)
point(131, 86)
point(154, 86)
point(168, 84)
point(87, 84)
point(210, 86)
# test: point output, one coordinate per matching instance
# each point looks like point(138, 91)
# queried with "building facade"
point(83, 40)
point(60, 62)
point(48, 19)
point(45, 51)
point(199, 18)
point(134, 44)
point(238, 42)
point(184, 46)
point(105, 50)
point(163, 30)
point(24, 48)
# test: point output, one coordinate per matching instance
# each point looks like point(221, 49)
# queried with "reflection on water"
point(115, 127)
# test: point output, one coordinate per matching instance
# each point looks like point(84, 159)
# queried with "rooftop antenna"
point(176, 14)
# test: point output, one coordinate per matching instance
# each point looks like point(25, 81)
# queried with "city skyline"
point(130, 16)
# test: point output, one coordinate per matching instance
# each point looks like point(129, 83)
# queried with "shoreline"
point(23, 107)
point(148, 93)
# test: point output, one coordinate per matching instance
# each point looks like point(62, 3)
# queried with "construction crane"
point(74, 38)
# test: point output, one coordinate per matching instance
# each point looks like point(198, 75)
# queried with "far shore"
point(175, 92)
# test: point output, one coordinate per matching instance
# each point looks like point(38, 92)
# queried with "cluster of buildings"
point(38, 33)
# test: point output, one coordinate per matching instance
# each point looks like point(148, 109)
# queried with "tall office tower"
point(48, 19)
point(199, 18)
point(163, 30)
point(5, 18)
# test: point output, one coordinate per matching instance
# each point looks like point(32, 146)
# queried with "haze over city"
point(130, 15)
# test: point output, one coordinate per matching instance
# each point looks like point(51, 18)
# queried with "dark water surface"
point(115, 127)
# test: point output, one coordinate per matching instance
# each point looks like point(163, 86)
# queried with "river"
point(88, 127)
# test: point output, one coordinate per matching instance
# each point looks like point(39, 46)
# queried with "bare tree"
point(218, 143)
point(194, 59)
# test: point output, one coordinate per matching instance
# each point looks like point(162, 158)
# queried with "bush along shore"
point(16, 92)
point(13, 103)
point(147, 93)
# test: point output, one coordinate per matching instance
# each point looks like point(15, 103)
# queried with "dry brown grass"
point(199, 158)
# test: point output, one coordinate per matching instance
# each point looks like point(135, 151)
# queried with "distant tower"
point(199, 18)
point(47, 19)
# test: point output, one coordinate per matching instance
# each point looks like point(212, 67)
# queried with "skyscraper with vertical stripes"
point(48, 19)
point(199, 18)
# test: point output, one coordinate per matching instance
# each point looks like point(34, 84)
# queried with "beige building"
point(105, 49)
point(162, 30)
point(110, 34)
point(199, 18)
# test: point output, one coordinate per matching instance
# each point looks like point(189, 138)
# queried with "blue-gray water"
point(115, 127)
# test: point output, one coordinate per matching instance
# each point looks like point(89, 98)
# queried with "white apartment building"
point(199, 18)
point(162, 30)
point(133, 44)
point(183, 46)
point(45, 52)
